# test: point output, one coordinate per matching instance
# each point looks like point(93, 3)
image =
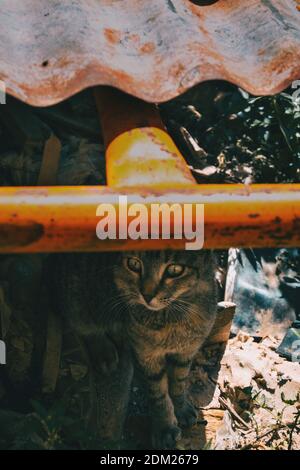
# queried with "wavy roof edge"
point(154, 50)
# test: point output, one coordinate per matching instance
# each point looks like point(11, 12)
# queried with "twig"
point(230, 408)
point(275, 428)
point(293, 428)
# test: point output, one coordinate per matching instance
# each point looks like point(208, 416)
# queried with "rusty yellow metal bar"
point(145, 156)
point(138, 149)
point(52, 219)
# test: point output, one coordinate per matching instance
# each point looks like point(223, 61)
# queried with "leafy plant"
point(243, 136)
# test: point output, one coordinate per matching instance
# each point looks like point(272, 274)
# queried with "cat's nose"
point(148, 298)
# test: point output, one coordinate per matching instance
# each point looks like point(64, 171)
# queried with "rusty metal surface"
point(146, 156)
point(64, 218)
point(139, 152)
point(154, 49)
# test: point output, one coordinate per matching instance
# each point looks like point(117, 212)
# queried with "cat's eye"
point(134, 265)
point(175, 270)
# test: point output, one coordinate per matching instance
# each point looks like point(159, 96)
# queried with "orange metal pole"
point(41, 219)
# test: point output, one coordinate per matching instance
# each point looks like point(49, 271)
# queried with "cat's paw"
point(165, 436)
point(186, 414)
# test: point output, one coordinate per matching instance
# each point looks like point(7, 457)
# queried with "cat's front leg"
point(179, 367)
point(165, 431)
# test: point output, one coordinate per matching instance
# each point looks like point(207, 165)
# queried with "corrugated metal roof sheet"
point(154, 49)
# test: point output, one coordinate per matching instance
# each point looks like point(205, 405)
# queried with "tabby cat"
point(163, 305)
point(170, 301)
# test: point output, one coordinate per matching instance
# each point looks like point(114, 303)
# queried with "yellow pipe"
point(52, 219)
point(145, 156)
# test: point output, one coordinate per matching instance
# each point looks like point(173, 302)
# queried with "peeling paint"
point(154, 50)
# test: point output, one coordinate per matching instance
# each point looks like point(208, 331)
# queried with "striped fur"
point(163, 319)
point(168, 320)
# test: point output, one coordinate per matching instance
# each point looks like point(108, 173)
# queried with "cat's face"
point(157, 279)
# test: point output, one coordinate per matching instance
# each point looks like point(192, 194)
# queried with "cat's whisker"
point(118, 301)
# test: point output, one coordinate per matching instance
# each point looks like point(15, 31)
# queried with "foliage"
point(245, 137)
